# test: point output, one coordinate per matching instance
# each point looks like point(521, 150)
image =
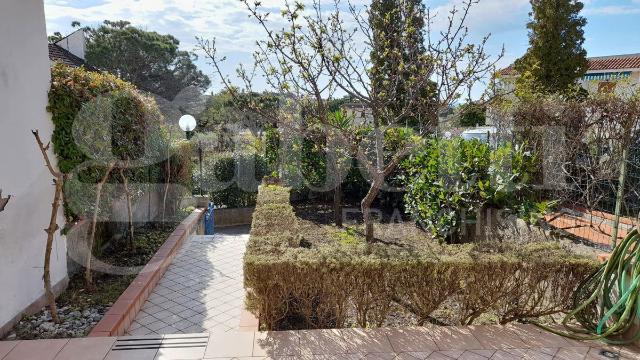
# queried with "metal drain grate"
point(161, 342)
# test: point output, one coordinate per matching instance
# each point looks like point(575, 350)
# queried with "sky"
point(613, 25)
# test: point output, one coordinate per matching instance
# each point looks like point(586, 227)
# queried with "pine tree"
point(386, 53)
point(555, 58)
point(398, 53)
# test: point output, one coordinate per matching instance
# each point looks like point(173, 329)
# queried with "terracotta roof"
point(509, 70)
point(617, 62)
point(614, 62)
point(62, 55)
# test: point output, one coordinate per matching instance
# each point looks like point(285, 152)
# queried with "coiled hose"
point(607, 303)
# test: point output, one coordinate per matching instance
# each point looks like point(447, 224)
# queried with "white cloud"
point(604, 7)
point(228, 21)
point(236, 33)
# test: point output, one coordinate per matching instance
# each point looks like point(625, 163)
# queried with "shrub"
point(232, 179)
point(97, 116)
point(472, 115)
point(292, 286)
point(448, 181)
point(71, 88)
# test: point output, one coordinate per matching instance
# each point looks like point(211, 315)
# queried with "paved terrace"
point(202, 290)
point(441, 343)
point(196, 312)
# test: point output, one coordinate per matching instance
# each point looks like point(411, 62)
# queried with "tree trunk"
point(366, 209)
point(127, 193)
point(88, 279)
point(167, 180)
point(51, 230)
point(337, 204)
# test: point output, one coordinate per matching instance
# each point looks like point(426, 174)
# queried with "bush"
point(472, 115)
point(449, 181)
point(97, 119)
point(291, 286)
point(231, 179)
point(71, 88)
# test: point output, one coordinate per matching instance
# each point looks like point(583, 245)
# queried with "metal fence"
point(597, 185)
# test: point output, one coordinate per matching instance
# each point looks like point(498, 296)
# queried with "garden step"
point(515, 341)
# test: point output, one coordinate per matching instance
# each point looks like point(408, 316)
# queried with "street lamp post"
point(188, 123)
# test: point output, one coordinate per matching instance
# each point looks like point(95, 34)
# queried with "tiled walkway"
point(439, 343)
point(202, 290)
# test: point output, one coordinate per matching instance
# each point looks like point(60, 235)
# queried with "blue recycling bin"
point(209, 223)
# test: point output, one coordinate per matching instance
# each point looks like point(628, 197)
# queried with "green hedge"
point(327, 285)
point(99, 118)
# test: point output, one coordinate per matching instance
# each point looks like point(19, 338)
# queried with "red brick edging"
point(119, 317)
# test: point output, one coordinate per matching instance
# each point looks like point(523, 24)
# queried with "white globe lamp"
point(187, 123)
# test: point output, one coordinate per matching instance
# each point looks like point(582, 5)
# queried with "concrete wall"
point(24, 82)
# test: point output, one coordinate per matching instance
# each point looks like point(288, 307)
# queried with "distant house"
point(359, 112)
point(618, 74)
point(70, 51)
point(612, 73)
point(615, 73)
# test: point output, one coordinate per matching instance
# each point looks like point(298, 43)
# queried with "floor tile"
point(234, 344)
point(438, 355)
point(539, 354)
point(6, 347)
point(414, 355)
point(36, 350)
point(536, 337)
point(454, 338)
point(183, 347)
point(477, 354)
point(367, 340)
point(572, 353)
point(411, 340)
point(144, 354)
point(379, 356)
point(322, 342)
point(509, 354)
point(204, 278)
point(276, 343)
point(497, 337)
point(454, 354)
point(94, 348)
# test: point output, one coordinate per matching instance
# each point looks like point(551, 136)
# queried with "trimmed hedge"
point(329, 285)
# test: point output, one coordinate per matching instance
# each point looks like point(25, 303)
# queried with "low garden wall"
point(119, 317)
point(233, 216)
point(335, 285)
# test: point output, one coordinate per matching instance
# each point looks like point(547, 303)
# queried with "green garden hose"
point(607, 303)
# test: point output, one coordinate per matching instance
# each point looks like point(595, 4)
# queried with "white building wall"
point(74, 43)
point(24, 82)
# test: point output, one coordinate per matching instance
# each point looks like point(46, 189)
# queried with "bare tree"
point(319, 51)
point(292, 63)
point(58, 182)
point(88, 278)
point(127, 193)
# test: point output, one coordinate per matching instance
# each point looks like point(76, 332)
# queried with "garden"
point(369, 208)
point(425, 263)
point(371, 214)
point(120, 194)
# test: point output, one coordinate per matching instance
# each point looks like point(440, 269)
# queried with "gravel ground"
point(73, 323)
